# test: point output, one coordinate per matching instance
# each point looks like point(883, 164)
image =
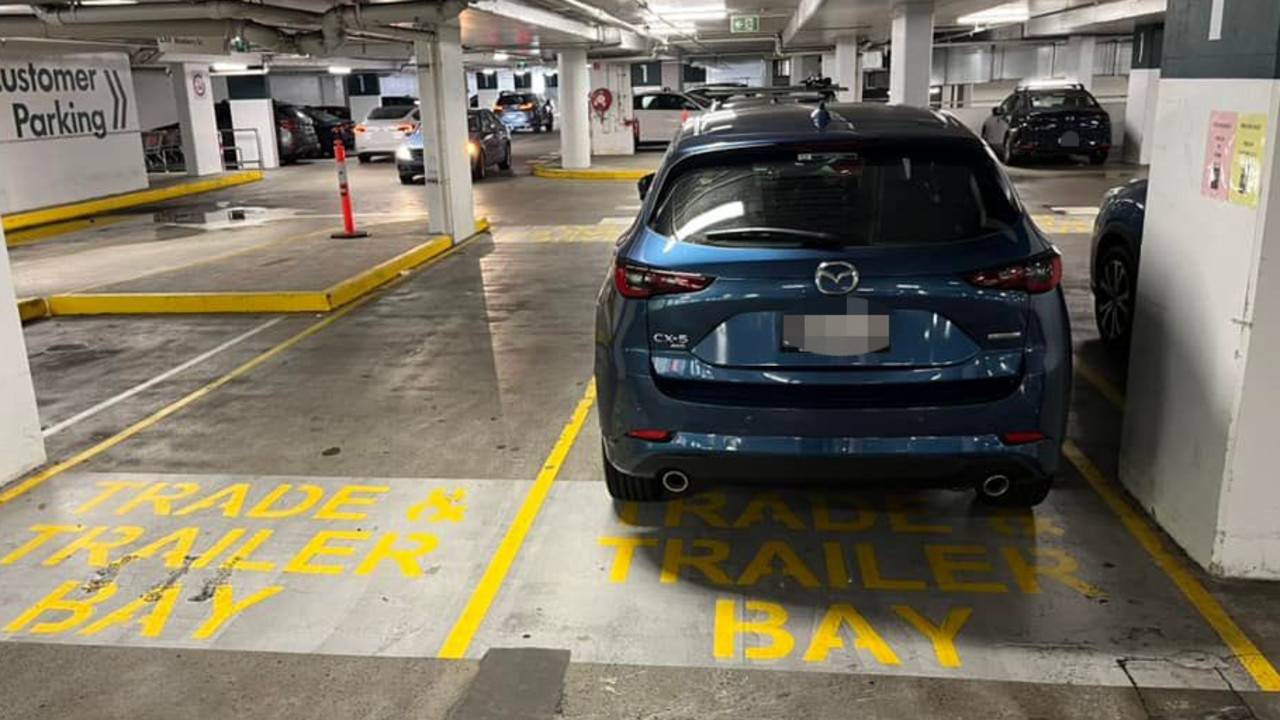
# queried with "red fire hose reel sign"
point(601, 101)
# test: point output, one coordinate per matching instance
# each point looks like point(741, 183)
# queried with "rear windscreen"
point(514, 99)
point(883, 196)
point(1061, 99)
point(395, 112)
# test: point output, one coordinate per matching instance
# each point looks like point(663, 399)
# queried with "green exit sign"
point(744, 23)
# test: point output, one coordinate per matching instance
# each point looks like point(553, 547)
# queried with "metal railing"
point(234, 156)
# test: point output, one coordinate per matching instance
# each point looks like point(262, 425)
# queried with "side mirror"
point(997, 110)
point(643, 185)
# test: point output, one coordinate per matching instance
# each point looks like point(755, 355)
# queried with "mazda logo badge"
point(836, 278)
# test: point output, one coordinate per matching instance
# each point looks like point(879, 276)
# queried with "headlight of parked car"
point(403, 153)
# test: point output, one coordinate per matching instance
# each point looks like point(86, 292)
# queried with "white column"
point(193, 98)
point(575, 129)
point(847, 70)
point(673, 75)
point(1199, 443)
point(1080, 58)
point(248, 116)
point(1140, 114)
point(21, 444)
point(611, 132)
point(442, 93)
point(911, 45)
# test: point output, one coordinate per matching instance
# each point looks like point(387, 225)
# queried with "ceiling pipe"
point(175, 11)
point(600, 15)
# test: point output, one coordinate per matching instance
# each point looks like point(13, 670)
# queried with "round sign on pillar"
point(198, 84)
point(601, 101)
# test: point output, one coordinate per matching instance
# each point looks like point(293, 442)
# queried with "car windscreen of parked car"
point(1061, 100)
point(390, 113)
point(887, 195)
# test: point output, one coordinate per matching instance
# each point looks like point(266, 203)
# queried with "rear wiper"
point(787, 235)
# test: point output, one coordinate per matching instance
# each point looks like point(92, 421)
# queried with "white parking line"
point(1079, 210)
point(59, 427)
point(616, 220)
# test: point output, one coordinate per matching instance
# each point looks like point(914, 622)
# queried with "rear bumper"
point(958, 461)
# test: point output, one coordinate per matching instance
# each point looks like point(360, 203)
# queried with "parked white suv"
point(658, 115)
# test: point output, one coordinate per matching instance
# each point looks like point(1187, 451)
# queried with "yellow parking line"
point(89, 453)
point(1109, 392)
point(1248, 654)
point(71, 211)
point(464, 630)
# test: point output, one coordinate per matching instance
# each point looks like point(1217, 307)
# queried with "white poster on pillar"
point(75, 118)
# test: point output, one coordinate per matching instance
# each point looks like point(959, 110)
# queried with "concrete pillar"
point(911, 45)
point(21, 444)
point(1144, 91)
point(575, 129)
point(673, 75)
point(611, 132)
point(1080, 58)
point(442, 93)
point(251, 110)
point(193, 99)
point(847, 70)
point(1198, 448)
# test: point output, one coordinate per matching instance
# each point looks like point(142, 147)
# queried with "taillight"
point(497, 108)
point(651, 435)
point(640, 282)
point(361, 129)
point(1022, 437)
point(526, 106)
point(1041, 273)
point(289, 124)
point(406, 128)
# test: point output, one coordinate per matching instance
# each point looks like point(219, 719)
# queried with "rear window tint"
point(515, 98)
point(394, 112)
point(1061, 99)
point(908, 195)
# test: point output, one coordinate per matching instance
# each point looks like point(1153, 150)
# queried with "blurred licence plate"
point(835, 335)
point(1070, 138)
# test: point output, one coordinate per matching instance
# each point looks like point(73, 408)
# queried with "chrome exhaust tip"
point(675, 481)
point(995, 486)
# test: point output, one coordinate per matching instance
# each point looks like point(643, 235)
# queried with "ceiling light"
point(229, 67)
point(499, 56)
point(488, 71)
point(339, 70)
point(105, 3)
point(1014, 12)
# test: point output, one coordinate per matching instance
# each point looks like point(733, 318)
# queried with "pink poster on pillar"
point(1217, 155)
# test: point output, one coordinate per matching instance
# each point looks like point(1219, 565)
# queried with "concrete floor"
point(311, 537)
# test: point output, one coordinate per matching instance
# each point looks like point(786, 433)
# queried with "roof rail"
point(1051, 85)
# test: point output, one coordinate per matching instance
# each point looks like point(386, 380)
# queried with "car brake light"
point(1039, 274)
point(406, 128)
point(1023, 437)
point(640, 282)
point(361, 129)
point(526, 106)
point(289, 124)
point(651, 435)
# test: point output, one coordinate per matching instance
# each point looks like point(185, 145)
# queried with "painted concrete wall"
point(98, 144)
point(1198, 447)
point(296, 89)
point(1140, 114)
point(610, 134)
point(751, 72)
point(156, 105)
point(21, 444)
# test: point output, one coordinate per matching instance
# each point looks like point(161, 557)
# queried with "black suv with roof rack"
point(1049, 121)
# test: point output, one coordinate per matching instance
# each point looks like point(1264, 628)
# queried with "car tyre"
point(363, 157)
point(1113, 297)
point(505, 163)
point(551, 124)
point(629, 487)
point(478, 167)
point(406, 179)
point(1027, 492)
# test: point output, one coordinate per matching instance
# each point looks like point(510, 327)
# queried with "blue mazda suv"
point(848, 294)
